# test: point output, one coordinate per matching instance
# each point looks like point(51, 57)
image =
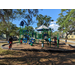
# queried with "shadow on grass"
point(51, 59)
point(39, 57)
point(53, 56)
point(7, 52)
point(51, 50)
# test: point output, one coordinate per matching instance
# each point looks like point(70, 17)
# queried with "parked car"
point(15, 38)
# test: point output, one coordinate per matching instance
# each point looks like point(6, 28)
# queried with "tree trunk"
point(66, 38)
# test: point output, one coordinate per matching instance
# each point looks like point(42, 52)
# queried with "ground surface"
point(21, 57)
point(36, 58)
point(38, 46)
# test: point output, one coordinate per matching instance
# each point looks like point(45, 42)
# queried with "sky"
point(53, 13)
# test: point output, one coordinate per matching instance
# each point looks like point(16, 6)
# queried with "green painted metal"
point(47, 35)
point(50, 37)
point(20, 35)
point(37, 38)
point(57, 40)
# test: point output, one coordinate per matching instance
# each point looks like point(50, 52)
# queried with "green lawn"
point(1, 50)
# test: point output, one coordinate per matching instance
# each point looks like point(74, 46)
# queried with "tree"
point(43, 20)
point(6, 15)
point(10, 14)
point(14, 30)
point(66, 21)
point(51, 31)
point(29, 28)
point(10, 30)
point(57, 32)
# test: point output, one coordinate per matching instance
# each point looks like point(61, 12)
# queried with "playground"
point(35, 40)
point(34, 48)
point(62, 46)
point(32, 37)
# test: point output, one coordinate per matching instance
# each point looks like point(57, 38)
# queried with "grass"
point(3, 40)
point(4, 51)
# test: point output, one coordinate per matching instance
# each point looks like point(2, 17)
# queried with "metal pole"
point(57, 40)
point(43, 38)
point(37, 37)
point(50, 37)
point(47, 36)
point(20, 35)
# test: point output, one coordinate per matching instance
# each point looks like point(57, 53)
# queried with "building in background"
point(71, 36)
point(3, 36)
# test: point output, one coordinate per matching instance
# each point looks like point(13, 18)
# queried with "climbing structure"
point(26, 36)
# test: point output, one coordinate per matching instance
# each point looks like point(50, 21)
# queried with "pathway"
point(69, 41)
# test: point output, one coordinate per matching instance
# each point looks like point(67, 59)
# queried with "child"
point(42, 44)
point(21, 41)
point(10, 42)
point(49, 39)
point(55, 41)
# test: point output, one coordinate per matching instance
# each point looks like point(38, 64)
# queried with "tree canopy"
point(43, 20)
point(10, 30)
point(7, 15)
point(29, 28)
point(10, 14)
point(66, 21)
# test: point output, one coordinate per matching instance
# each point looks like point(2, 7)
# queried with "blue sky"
point(49, 12)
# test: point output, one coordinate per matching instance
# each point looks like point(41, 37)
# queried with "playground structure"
point(30, 40)
point(48, 37)
point(31, 37)
point(26, 36)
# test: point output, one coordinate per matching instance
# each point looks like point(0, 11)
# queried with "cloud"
point(54, 26)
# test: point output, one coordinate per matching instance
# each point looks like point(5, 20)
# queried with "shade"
point(42, 27)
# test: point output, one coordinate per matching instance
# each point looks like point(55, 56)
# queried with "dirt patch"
point(18, 57)
point(39, 46)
